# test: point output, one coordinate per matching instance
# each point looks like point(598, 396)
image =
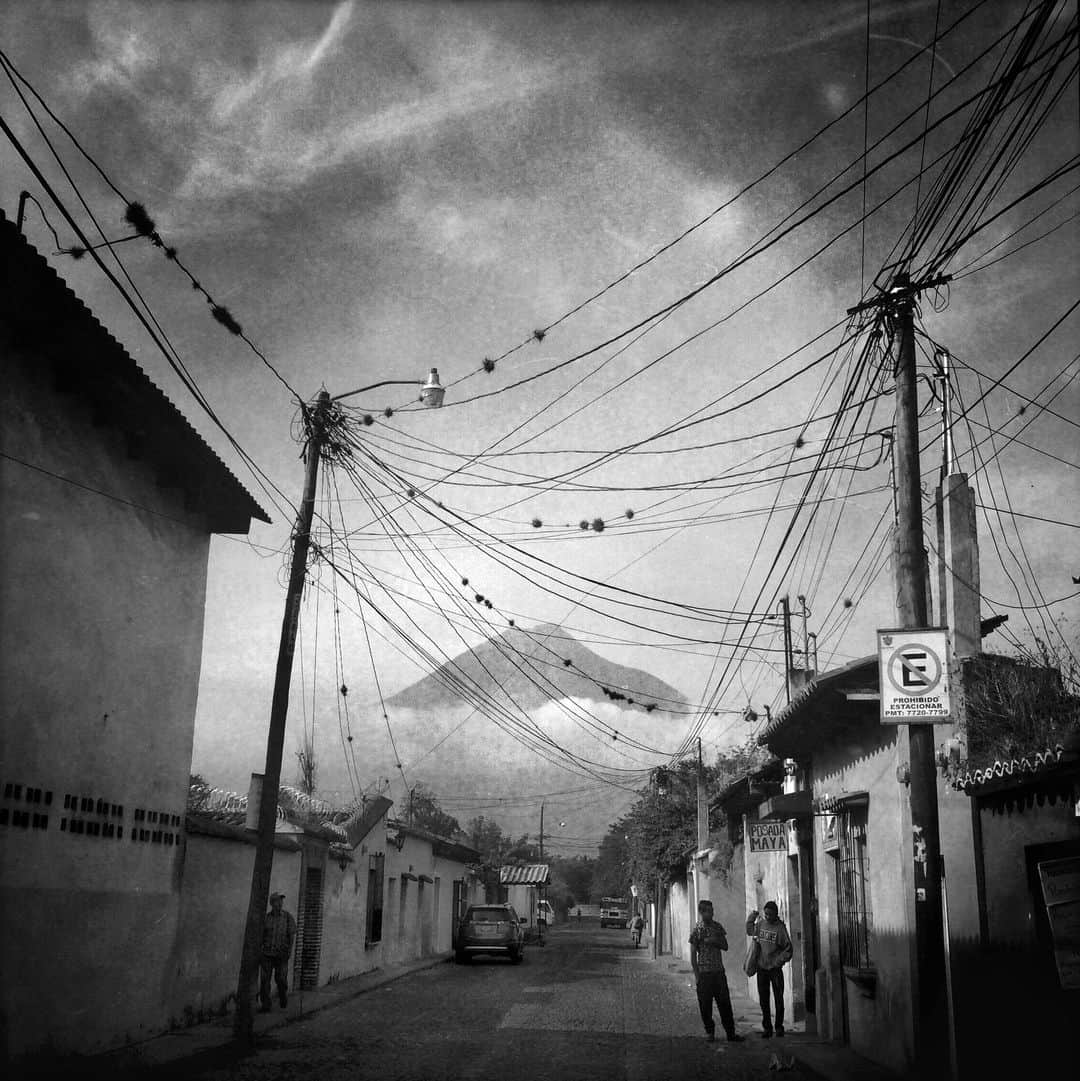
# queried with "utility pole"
point(789, 660)
point(702, 802)
point(541, 833)
point(931, 1036)
point(805, 635)
point(275, 739)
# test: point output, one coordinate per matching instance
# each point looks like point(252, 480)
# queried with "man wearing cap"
point(776, 950)
point(279, 930)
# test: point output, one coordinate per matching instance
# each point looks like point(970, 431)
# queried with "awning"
point(533, 874)
point(842, 801)
point(786, 805)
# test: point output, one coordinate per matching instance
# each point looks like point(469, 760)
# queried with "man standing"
point(279, 930)
point(707, 943)
point(775, 952)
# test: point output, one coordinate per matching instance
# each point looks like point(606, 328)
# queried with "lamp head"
point(432, 392)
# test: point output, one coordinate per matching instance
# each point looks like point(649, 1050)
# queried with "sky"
point(373, 190)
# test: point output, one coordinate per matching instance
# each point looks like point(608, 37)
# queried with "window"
point(373, 924)
point(853, 890)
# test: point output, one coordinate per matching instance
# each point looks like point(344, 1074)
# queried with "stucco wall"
point(1009, 904)
point(427, 929)
point(101, 620)
point(214, 902)
point(879, 1021)
point(345, 952)
point(1013, 958)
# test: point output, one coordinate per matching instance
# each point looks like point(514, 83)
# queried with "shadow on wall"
point(1011, 1015)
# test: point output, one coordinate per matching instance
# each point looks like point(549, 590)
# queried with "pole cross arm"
point(903, 290)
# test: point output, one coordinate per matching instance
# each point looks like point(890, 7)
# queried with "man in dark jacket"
point(775, 952)
point(279, 930)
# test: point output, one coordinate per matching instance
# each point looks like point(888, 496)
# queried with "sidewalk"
point(816, 1055)
point(212, 1041)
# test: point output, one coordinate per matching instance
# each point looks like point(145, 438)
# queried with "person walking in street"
point(774, 951)
point(708, 940)
point(637, 925)
point(279, 930)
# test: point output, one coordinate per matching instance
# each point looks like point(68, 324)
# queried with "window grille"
point(853, 891)
point(309, 930)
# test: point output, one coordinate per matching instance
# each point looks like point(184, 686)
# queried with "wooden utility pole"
point(275, 739)
point(930, 1033)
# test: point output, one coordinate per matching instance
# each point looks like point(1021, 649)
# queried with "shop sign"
point(768, 837)
point(830, 832)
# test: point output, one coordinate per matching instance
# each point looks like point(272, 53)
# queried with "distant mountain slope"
point(530, 667)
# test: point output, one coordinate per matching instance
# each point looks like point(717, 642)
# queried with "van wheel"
point(461, 957)
point(517, 956)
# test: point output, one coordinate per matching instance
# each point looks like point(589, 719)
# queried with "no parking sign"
point(913, 667)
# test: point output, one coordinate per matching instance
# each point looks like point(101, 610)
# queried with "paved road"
point(586, 1006)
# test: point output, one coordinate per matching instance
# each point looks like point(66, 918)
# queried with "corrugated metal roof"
point(532, 874)
point(55, 325)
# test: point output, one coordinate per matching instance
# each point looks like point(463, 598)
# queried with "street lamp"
point(431, 395)
point(431, 390)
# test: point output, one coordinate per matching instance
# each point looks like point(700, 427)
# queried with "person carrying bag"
point(753, 956)
point(773, 949)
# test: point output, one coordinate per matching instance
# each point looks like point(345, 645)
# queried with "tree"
point(575, 877)
point(651, 841)
point(307, 766)
point(198, 792)
point(425, 813)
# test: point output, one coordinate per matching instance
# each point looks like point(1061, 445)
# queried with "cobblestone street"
point(586, 1006)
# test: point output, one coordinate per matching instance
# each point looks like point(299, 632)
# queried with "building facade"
point(110, 499)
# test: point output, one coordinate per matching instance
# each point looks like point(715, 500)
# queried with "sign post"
point(914, 668)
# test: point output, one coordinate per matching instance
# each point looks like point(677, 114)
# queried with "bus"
point(614, 911)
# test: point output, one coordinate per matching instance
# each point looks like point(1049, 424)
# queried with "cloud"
point(124, 52)
point(300, 114)
point(286, 70)
point(850, 22)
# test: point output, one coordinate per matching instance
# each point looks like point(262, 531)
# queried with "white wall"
point(101, 620)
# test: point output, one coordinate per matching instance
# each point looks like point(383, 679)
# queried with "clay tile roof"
point(1016, 768)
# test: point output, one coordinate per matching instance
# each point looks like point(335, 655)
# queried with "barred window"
point(853, 890)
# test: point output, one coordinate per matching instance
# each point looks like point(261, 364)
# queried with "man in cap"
point(776, 950)
point(279, 930)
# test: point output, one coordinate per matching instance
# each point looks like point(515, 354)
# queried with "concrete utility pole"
point(702, 803)
point(275, 739)
point(931, 1037)
point(789, 660)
